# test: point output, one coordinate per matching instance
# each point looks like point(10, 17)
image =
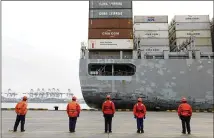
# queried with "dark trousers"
point(139, 123)
point(18, 119)
point(108, 122)
point(185, 120)
point(72, 123)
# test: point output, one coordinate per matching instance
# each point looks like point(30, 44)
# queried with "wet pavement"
point(90, 124)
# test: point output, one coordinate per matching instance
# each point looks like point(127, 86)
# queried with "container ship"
point(39, 96)
point(146, 56)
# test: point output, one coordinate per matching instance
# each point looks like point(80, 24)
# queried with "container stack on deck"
point(184, 26)
point(110, 27)
point(151, 33)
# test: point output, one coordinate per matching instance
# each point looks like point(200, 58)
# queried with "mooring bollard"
point(56, 108)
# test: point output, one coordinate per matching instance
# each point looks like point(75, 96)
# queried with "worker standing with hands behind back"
point(73, 111)
point(21, 111)
point(185, 113)
point(139, 112)
point(108, 110)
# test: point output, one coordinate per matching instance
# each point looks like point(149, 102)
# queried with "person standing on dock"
point(21, 111)
point(73, 111)
point(185, 113)
point(139, 112)
point(108, 110)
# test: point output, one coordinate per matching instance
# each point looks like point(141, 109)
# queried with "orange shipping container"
point(110, 34)
point(110, 23)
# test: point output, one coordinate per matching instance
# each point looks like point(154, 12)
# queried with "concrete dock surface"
point(90, 124)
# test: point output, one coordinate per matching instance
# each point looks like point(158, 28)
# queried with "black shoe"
point(138, 131)
point(142, 131)
point(14, 130)
point(106, 131)
point(22, 130)
point(183, 132)
point(110, 131)
point(189, 133)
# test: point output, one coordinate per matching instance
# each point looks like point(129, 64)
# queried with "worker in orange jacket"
point(185, 113)
point(73, 111)
point(108, 110)
point(21, 111)
point(139, 112)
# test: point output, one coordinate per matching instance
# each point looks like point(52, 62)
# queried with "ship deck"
point(54, 124)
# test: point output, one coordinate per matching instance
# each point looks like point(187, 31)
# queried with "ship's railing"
point(207, 55)
point(109, 57)
point(127, 56)
point(115, 73)
point(150, 55)
point(104, 57)
point(123, 73)
point(178, 55)
point(153, 57)
point(158, 55)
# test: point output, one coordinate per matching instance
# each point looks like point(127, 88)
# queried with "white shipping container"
point(151, 26)
point(151, 19)
point(153, 42)
point(110, 44)
point(192, 26)
point(151, 34)
point(206, 33)
point(192, 18)
point(198, 41)
point(154, 48)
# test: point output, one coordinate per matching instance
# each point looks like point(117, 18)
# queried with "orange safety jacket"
point(184, 109)
point(108, 107)
point(73, 109)
point(139, 110)
point(21, 108)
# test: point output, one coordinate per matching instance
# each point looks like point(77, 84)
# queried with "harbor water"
point(49, 106)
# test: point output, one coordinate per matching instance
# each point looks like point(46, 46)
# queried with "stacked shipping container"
point(110, 25)
point(184, 26)
point(151, 33)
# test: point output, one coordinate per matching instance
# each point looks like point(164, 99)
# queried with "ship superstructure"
point(125, 70)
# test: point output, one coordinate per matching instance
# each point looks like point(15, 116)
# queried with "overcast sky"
point(41, 40)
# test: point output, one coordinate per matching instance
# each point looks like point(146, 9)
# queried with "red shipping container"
point(110, 34)
point(110, 23)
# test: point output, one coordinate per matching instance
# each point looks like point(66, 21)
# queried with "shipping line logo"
point(151, 49)
point(151, 19)
point(93, 44)
point(110, 13)
point(110, 33)
point(152, 34)
point(191, 18)
point(110, 3)
point(193, 33)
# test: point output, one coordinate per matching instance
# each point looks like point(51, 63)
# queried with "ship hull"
point(160, 82)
